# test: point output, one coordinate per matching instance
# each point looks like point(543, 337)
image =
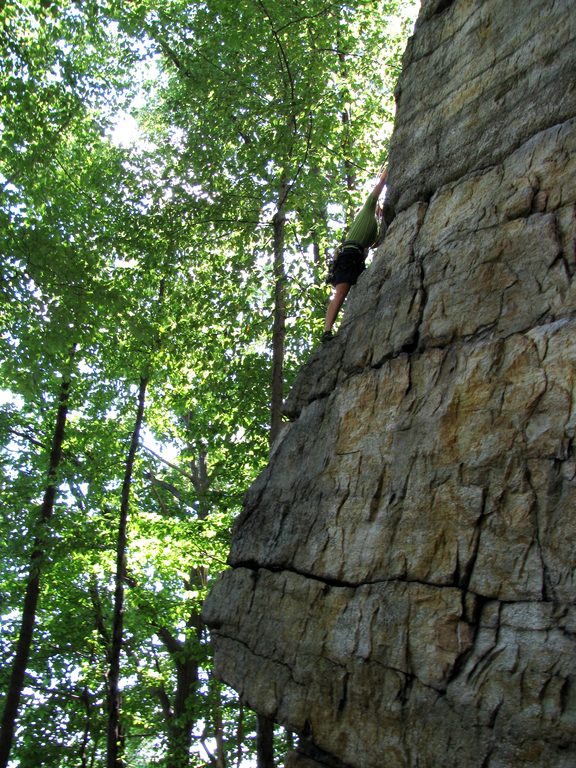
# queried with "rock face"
point(403, 589)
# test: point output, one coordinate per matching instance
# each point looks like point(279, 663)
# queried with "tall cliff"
point(402, 590)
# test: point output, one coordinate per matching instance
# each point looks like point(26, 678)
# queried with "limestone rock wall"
point(403, 585)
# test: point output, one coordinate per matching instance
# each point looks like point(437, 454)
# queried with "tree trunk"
point(347, 148)
point(265, 742)
point(115, 756)
point(32, 593)
point(218, 722)
point(180, 716)
point(83, 751)
point(265, 727)
point(178, 712)
point(279, 327)
point(239, 735)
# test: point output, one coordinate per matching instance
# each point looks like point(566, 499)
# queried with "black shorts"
point(348, 266)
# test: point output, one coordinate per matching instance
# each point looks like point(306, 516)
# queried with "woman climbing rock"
point(350, 260)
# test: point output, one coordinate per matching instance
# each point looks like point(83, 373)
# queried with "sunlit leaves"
point(155, 259)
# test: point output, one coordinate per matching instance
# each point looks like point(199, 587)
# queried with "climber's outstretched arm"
point(380, 183)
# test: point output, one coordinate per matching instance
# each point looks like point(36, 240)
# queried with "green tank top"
point(364, 228)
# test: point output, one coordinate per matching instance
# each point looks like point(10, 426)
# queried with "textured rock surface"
point(480, 78)
point(403, 585)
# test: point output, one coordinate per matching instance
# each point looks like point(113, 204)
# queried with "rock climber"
point(351, 255)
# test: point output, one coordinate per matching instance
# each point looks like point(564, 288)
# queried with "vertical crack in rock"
point(419, 298)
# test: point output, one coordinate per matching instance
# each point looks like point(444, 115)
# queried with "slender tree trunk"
point(83, 751)
point(279, 326)
point(239, 735)
point(220, 756)
point(32, 593)
point(178, 712)
point(115, 756)
point(265, 726)
point(265, 742)
point(180, 716)
point(347, 148)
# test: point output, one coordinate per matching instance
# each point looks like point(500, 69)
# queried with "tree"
point(32, 592)
point(227, 205)
point(115, 756)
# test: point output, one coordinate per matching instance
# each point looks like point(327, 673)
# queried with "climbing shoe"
point(326, 336)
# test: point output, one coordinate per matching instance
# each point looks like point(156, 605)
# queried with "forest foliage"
point(159, 290)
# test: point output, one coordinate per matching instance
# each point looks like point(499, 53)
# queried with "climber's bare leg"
point(340, 292)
